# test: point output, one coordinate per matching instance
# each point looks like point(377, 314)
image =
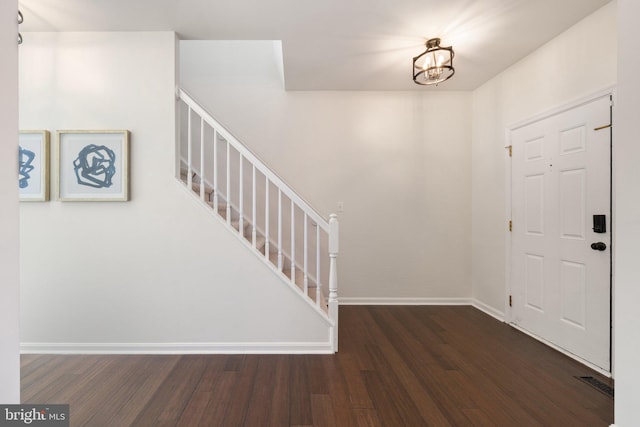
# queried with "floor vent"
point(598, 385)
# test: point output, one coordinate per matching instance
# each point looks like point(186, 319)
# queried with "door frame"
point(508, 312)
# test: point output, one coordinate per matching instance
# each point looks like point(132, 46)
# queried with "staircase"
point(276, 223)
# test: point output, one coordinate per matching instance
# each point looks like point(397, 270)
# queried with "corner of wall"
point(9, 226)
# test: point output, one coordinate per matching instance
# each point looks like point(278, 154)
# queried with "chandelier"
point(434, 65)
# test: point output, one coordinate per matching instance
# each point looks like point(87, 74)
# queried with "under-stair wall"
point(155, 274)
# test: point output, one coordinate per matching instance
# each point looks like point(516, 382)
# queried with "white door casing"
point(561, 177)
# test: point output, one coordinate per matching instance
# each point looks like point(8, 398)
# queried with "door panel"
point(573, 285)
point(573, 204)
point(534, 205)
point(534, 270)
point(560, 179)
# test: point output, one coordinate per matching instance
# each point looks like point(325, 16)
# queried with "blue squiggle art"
point(95, 166)
point(25, 158)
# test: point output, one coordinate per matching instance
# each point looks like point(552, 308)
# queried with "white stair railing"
point(278, 224)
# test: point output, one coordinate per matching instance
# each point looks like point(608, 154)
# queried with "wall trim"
point(508, 315)
point(179, 348)
point(403, 301)
point(493, 312)
point(565, 106)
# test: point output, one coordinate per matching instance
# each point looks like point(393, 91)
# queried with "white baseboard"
point(403, 301)
point(496, 314)
point(177, 348)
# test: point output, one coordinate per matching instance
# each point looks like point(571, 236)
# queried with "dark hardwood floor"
point(397, 366)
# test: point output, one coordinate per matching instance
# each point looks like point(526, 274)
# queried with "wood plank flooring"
point(397, 366)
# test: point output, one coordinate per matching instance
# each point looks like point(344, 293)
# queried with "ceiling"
point(339, 44)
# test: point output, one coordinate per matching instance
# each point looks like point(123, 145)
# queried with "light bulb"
point(427, 62)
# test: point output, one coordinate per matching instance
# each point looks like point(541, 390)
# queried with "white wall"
point(9, 238)
point(158, 269)
point(400, 162)
point(627, 217)
point(575, 64)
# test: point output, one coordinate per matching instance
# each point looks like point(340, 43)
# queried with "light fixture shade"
point(434, 65)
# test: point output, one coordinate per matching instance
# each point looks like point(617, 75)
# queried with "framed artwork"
point(93, 165)
point(33, 165)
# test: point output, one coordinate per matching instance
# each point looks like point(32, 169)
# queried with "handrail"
point(247, 154)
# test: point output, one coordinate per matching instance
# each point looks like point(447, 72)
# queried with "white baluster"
point(228, 195)
point(266, 217)
point(318, 286)
point(189, 178)
point(333, 275)
point(201, 158)
point(241, 206)
point(253, 206)
point(179, 141)
point(215, 170)
point(293, 242)
point(279, 229)
point(306, 256)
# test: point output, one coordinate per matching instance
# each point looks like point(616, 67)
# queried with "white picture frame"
point(92, 165)
point(33, 165)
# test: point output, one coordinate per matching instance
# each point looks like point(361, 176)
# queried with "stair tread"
point(323, 301)
point(235, 223)
point(196, 187)
point(222, 208)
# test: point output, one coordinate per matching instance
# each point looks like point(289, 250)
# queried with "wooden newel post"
point(333, 275)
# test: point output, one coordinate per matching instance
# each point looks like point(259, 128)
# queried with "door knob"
point(598, 246)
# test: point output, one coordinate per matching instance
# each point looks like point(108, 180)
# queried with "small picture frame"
point(33, 165)
point(92, 165)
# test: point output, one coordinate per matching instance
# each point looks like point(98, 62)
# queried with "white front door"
point(561, 255)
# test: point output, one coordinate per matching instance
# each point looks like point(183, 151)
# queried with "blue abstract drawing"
point(95, 166)
point(25, 158)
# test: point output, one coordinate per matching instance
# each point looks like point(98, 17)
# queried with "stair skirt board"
point(179, 348)
point(249, 244)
